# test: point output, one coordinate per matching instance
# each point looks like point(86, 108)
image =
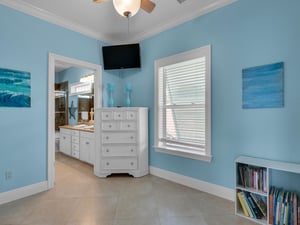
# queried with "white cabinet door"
point(87, 150)
point(65, 143)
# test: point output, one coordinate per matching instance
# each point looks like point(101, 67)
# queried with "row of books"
point(253, 205)
point(252, 177)
point(284, 207)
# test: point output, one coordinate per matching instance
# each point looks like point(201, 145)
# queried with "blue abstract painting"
point(15, 88)
point(263, 86)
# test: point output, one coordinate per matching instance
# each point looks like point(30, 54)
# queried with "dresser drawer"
point(75, 154)
point(107, 115)
point(131, 115)
point(109, 125)
point(75, 133)
point(75, 147)
point(65, 131)
point(75, 139)
point(127, 125)
point(118, 115)
point(120, 164)
point(89, 135)
point(118, 138)
point(119, 150)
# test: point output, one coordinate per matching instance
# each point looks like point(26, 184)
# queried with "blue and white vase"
point(128, 89)
point(110, 88)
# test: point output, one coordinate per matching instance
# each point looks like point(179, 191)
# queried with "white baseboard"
point(200, 185)
point(23, 192)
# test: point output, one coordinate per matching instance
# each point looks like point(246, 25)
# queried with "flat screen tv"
point(121, 56)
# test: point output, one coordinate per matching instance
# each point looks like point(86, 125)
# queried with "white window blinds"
point(182, 104)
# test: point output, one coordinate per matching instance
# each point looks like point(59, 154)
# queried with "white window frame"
point(204, 155)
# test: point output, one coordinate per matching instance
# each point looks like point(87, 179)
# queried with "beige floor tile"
point(139, 206)
point(80, 198)
point(137, 221)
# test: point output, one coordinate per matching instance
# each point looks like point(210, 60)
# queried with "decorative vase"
point(128, 95)
point(110, 88)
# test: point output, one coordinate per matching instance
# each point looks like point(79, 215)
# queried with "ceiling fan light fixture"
point(127, 8)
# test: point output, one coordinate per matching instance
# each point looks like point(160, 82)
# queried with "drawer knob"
point(106, 115)
point(107, 150)
point(107, 138)
point(109, 125)
point(87, 143)
point(107, 163)
point(131, 137)
point(131, 163)
point(128, 125)
point(131, 150)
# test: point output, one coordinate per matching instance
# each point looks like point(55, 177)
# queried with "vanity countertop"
point(81, 127)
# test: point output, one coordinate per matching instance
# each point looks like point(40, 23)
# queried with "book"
point(295, 213)
point(251, 212)
point(257, 212)
point(271, 203)
point(243, 204)
point(260, 203)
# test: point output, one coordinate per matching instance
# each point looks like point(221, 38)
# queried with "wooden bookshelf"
point(252, 186)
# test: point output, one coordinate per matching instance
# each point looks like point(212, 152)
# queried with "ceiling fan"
point(129, 8)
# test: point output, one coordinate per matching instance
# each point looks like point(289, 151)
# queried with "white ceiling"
point(102, 22)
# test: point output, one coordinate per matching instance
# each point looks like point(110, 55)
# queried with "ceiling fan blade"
point(100, 1)
point(147, 5)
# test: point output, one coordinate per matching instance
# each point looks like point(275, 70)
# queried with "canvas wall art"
point(15, 88)
point(263, 86)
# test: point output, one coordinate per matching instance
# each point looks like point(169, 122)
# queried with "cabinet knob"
point(87, 143)
point(107, 138)
point(131, 163)
point(107, 163)
point(107, 150)
point(109, 125)
point(106, 115)
point(131, 150)
point(128, 125)
point(131, 137)
point(64, 137)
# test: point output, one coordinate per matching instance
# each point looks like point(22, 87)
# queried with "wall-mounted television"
point(121, 56)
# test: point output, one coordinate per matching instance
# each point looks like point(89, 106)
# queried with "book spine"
point(243, 204)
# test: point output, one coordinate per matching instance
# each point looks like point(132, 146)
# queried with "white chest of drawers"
point(122, 141)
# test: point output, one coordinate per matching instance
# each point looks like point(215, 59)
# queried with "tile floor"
point(80, 198)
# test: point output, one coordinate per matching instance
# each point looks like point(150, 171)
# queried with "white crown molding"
point(51, 18)
point(180, 20)
point(200, 185)
point(63, 22)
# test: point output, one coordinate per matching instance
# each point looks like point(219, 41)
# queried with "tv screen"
point(121, 56)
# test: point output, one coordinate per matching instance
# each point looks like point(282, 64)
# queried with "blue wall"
point(244, 34)
point(25, 42)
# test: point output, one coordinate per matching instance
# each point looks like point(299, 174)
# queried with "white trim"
point(173, 59)
point(52, 18)
point(22, 192)
point(180, 20)
point(52, 60)
point(186, 154)
point(217, 190)
point(63, 22)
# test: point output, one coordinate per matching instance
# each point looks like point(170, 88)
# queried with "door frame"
point(54, 59)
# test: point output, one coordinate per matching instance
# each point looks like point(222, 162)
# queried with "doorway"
point(58, 60)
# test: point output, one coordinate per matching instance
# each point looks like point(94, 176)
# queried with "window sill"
point(184, 153)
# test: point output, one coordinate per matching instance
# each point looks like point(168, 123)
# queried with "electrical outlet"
point(8, 175)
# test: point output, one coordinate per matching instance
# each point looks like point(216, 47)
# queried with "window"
point(182, 104)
